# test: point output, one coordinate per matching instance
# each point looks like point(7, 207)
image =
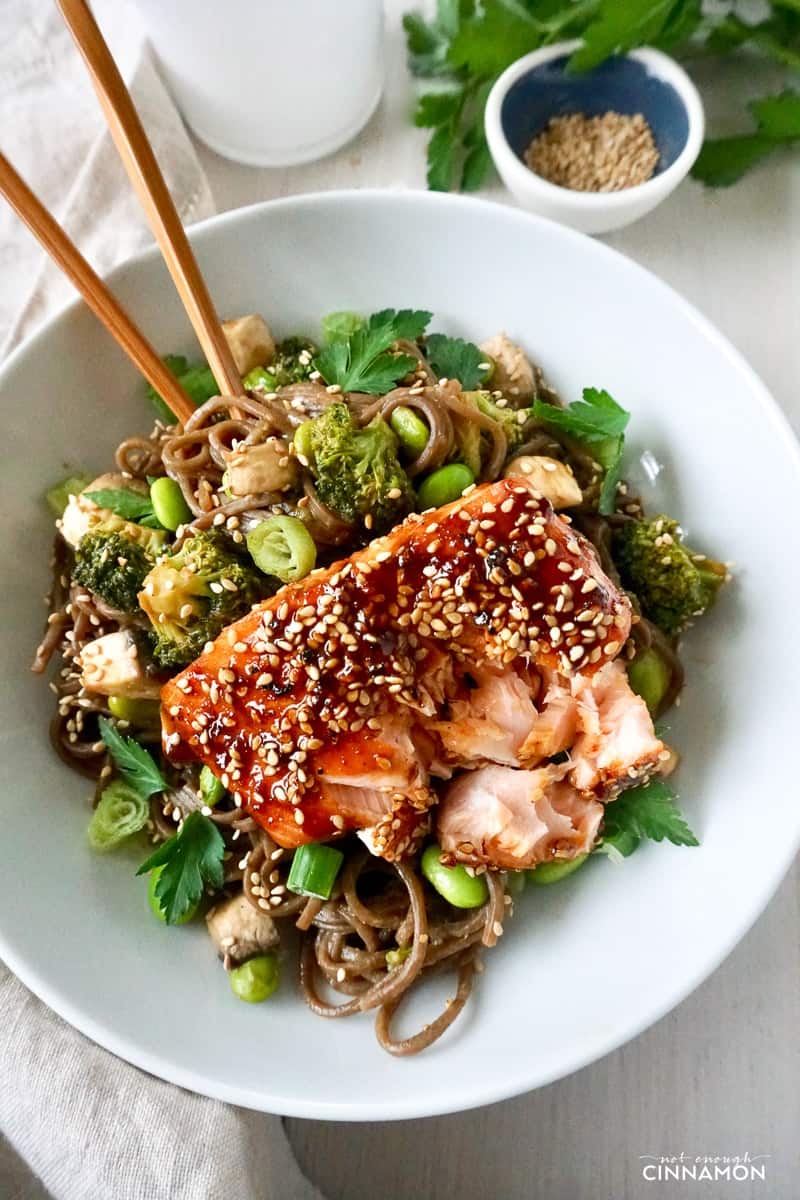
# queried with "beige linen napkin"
point(81, 1124)
point(52, 130)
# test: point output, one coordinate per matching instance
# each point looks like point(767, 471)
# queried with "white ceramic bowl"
point(584, 965)
point(536, 88)
point(270, 83)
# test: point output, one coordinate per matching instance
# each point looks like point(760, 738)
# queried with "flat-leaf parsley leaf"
point(190, 860)
point(363, 362)
point(599, 422)
point(132, 506)
point(136, 766)
point(648, 811)
point(453, 358)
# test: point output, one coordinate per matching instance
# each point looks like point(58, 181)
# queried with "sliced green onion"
point(395, 957)
point(314, 870)
point(412, 432)
point(444, 485)
point(120, 813)
point(552, 872)
point(211, 789)
point(57, 497)
point(515, 883)
point(622, 843)
point(155, 903)
point(648, 675)
point(339, 326)
point(255, 980)
point(135, 712)
point(168, 503)
point(458, 887)
point(282, 546)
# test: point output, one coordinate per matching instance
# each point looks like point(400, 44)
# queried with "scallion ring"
point(282, 546)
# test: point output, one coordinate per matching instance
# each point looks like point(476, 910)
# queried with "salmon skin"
point(313, 708)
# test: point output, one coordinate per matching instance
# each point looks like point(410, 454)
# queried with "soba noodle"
point(376, 907)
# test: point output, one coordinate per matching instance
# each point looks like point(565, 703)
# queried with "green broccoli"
point(113, 567)
point(672, 582)
point(508, 418)
point(471, 441)
point(356, 470)
point(292, 363)
point(194, 593)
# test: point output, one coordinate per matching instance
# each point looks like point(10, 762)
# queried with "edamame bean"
point(458, 887)
point(256, 979)
point(168, 503)
point(552, 872)
point(648, 675)
point(444, 485)
point(412, 432)
point(155, 903)
point(302, 440)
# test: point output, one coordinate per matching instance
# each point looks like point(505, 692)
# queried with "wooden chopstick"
point(103, 304)
point(145, 174)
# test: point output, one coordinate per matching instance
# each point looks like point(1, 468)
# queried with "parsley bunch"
point(469, 43)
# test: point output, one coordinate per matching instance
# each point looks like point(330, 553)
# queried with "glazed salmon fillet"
point(333, 706)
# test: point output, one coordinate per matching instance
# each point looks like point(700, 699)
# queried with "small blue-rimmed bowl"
point(538, 87)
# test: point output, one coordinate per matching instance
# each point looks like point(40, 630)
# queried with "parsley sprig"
point(648, 811)
point(363, 361)
point(453, 358)
point(133, 506)
point(467, 44)
point(190, 860)
point(723, 161)
point(599, 423)
point(136, 766)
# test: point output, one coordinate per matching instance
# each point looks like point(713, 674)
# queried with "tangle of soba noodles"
point(375, 906)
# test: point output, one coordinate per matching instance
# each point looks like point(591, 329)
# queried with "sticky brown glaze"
point(327, 680)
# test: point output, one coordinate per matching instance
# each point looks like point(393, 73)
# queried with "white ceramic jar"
point(270, 82)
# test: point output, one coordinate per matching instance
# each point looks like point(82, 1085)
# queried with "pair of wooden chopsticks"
point(140, 163)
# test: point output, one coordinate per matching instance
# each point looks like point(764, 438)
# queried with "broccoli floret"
point(508, 418)
point(356, 469)
point(293, 362)
point(672, 582)
point(194, 593)
point(113, 567)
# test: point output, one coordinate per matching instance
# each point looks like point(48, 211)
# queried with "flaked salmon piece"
point(489, 721)
point(556, 723)
point(330, 665)
point(507, 719)
point(508, 818)
point(616, 744)
point(492, 817)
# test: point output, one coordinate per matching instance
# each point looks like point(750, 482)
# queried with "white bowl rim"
point(662, 65)
point(516, 1079)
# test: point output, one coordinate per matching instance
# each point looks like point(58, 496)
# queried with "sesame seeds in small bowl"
point(595, 150)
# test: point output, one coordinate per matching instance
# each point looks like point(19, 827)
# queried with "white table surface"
point(721, 1074)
